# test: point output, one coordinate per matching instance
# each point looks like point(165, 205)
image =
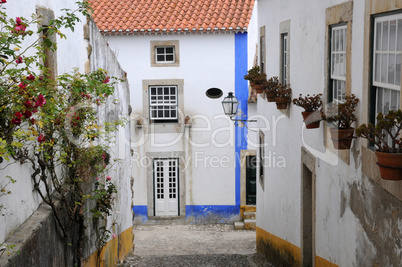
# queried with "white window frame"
point(387, 92)
point(159, 101)
point(165, 54)
point(338, 62)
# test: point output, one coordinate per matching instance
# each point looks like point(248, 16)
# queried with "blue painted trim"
point(212, 213)
point(241, 92)
point(140, 210)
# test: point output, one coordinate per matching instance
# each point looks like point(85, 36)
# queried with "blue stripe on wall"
point(140, 210)
point(241, 92)
point(200, 213)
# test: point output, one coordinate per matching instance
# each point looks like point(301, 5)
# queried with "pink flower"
point(97, 178)
point(108, 178)
point(22, 86)
point(27, 114)
point(114, 236)
point(3, 1)
point(31, 77)
point(19, 27)
point(19, 60)
point(106, 80)
point(103, 156)
point(18, 115)
point(28, 104)
point(41, 101)
point(16, 121)
point(41, 138)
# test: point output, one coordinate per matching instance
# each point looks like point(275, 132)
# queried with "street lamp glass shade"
point(230, 105)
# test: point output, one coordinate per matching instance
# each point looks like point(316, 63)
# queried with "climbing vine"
point(52, 126)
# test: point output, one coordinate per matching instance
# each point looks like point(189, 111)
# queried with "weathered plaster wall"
point(356, 216)
point(120, 222)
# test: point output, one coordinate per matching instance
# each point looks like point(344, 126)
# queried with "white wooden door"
point(166, 187)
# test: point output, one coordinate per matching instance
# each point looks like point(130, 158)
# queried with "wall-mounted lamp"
point(230, 105)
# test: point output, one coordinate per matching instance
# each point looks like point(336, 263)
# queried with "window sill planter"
point(258, 88)
point(311, 119)
point(390, 165)
point(282, 102)
point(270, 94)
point(342, 138)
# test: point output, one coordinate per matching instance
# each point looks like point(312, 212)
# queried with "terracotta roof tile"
point(151, 16)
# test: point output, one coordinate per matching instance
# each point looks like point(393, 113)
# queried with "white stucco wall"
point(206, 60)
point(337, 228)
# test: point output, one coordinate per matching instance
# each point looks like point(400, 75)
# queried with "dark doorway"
point(308, 214)
point(251, 173)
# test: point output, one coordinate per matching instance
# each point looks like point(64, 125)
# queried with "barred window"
point(163, 104)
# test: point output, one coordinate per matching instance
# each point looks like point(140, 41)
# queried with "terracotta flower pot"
point(259, 88)
point(342, 138)
point(311, 119)
point(282, 102)
point(390, 165)
point(270, 95)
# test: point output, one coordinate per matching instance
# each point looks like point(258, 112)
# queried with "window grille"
point(163, 103)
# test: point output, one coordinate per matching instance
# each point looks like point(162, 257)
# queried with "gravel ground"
point(194, 245)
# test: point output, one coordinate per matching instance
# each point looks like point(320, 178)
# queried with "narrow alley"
point(194, 245)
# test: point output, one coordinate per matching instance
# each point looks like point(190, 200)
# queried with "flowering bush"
point(47, 123)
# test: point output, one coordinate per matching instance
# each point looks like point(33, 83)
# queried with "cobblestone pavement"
point(194, 245)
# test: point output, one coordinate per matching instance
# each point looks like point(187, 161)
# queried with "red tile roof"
point(158, 16)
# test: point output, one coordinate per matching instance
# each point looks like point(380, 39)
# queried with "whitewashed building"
point(173, 52)
point(327, 207)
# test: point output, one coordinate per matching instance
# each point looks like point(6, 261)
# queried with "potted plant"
point(312, 109)
point(187, 121)
point(139, 123)
point(386, 136)
point(270, 87)
point(256, 79)
point(340, 117)
point(282, 96)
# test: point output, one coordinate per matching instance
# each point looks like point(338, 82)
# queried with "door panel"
point(166, 187)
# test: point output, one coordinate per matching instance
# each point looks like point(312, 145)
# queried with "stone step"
point(239, 225)
point(250, 215)
point(250, 224)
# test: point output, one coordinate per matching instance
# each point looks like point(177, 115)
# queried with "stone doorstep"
point(250, 215)
point(239, 225)
point(250, 224)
